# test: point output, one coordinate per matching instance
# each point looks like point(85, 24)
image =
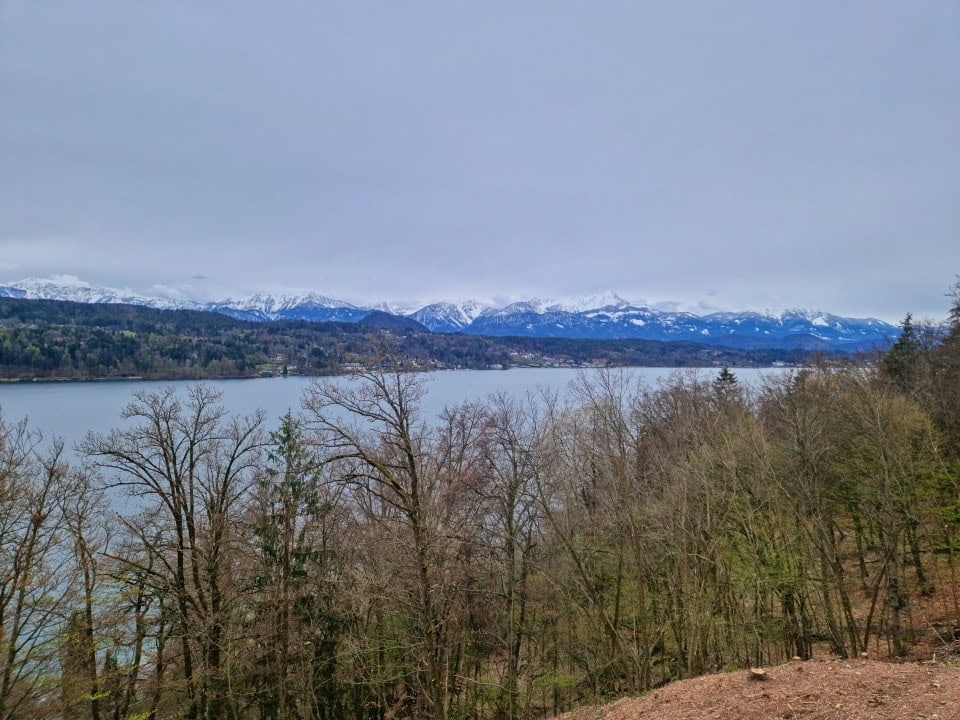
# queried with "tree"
point(33, 586)
point(78, 670)
point(511, 528)
point(945, 398)
point(801, 414)
point(188, 464)
point(293, 532)
point(900, 362)
point(954, 294)
point(84, 513)
point(724, 381)
point(414, 482)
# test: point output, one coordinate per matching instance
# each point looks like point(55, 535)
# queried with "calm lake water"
point(70, 410)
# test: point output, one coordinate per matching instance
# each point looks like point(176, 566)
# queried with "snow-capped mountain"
point(585, 303)
point(71, 289)
point(257, 308)
point(448, 317)
point(606, 316)
point(303, 306)
point(800, 329)
point(397, 308)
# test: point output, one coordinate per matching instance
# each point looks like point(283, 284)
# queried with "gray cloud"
point(781, 155)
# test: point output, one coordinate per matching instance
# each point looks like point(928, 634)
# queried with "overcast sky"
point(736, 155)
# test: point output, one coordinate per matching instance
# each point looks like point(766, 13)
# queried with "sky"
point(709, 154)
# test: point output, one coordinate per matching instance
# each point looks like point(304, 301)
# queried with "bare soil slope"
point(813, 690)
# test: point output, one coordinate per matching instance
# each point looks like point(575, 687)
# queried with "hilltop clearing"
point(812, 690)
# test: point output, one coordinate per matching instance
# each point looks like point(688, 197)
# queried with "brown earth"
point(813, 690)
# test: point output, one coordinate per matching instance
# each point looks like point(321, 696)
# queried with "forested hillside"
point(508, 560)
point(46, 339)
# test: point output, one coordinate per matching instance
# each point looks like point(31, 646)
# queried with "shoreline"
point(174, 378)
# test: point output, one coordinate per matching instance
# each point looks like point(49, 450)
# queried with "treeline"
point(509, 559)
point(50, 339)
point(46, 339)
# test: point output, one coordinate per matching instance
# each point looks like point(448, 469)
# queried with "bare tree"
point(83, 509)
point(187, 464)
point(371, 433)
point(511, 529)
point(34, 582)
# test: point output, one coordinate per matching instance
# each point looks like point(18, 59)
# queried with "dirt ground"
point(811, 690)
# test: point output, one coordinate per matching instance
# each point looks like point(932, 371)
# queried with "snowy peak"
point(606, 315)
point(534, 306)
point(396, 308)
point(603, 301)
point(471, 309)
point(615, 318)
point(448, 317)
point(308, 306)
point(72, 289)
point(274, 304)
point(541, 306)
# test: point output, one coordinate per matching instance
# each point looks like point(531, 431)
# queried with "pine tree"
point(900, 362)
point(725, 384)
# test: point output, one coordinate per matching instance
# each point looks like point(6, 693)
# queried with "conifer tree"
point(900, 362)
point(725, 385)
point(725, 378)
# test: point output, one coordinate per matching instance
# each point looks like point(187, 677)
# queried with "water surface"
point(69, 410)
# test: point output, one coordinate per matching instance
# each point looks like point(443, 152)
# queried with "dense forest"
point(509, 559)
point(46, 339)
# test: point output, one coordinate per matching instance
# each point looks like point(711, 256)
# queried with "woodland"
point(512, 558)
point(55, 340)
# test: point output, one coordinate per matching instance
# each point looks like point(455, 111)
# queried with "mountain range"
point(606, 316)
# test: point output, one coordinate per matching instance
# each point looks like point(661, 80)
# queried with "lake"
point(70, 409)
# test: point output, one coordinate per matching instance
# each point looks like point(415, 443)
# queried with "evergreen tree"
point(725, 384)
point(76, 668)
point(954, 313)
point(900, 362)
point(946, 361)
point(292, 528)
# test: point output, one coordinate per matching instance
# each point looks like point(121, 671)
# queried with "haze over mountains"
point(606, 316)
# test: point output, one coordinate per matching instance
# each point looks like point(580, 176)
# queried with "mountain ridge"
point(602, 316)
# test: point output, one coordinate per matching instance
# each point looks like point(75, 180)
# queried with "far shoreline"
point(346, 373)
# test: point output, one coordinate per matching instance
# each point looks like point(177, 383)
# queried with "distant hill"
point(387, 321)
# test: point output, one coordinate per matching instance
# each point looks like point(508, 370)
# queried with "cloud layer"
point(736, 155)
